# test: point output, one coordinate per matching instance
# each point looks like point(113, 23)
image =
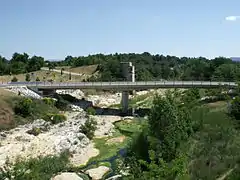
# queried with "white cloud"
point(232, 18)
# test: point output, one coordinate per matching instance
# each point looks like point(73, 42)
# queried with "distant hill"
point(235, 58)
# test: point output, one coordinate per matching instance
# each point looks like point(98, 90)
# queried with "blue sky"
point(57, 28)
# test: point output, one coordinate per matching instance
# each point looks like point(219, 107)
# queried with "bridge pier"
point(125, 99)
point(128, 73)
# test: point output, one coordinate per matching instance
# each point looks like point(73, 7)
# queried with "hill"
point(85, 72)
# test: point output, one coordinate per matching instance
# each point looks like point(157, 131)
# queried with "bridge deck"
point(124, 85)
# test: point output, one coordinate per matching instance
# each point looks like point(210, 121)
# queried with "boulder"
point(97, 173)
point(116, 177)
point(67, 176)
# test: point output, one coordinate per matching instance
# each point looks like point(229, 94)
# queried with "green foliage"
point(154, 152)
point(14, 79)
point(41, 168)
point(55, 118)
point(35, 131)
point(88, 128)
point(215, 148)
point(27, 77)
point(61, 103)
point(49, 101)
point(235, 108)
point(148, 67)
point(38, 79)
point(169, 124)
point(156, 67)
point(191, 97)
point(24, 107)
point(91, 111)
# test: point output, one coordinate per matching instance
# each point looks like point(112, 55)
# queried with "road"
point(59, 71)
point(121, 85)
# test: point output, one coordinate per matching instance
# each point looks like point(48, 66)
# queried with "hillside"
point(46, 75)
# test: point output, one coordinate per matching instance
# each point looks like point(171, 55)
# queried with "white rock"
point(105, 125)
point(67, 176)
point(116, 177)
point(97, 173)
point(58, 138)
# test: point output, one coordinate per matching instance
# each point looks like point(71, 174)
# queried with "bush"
point(14, 79)
point(49, 101)
point(61, 103)
point(37, 79)
point(91, 111)
point(27, 77)
point(35, 131)
point(41, 168)
point(55, 118)
point(89, 127)
point(235, 108)
point(24, 107)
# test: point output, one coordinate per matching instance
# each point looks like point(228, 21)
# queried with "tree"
point(27, 78)
point(24, 107)
point(235, 108)
point(37, 79)
point(14, 79)
point(88, 128)
point(169, 124)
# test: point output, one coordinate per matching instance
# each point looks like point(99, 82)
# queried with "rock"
point(67, 176)
point(41, 124)
point(70, 141)
point(98, 173)
point(116, 177)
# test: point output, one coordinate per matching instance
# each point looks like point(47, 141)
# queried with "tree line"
point(157, 67)
point(20, 63)
point(148, 67)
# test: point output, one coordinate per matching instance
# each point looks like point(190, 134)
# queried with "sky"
point(57, 28)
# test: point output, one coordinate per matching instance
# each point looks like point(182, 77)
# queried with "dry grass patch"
point(88, 70)
point(115, 140)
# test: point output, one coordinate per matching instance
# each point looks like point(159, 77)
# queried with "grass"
point(129, 127)
point(56, 76)
point(106, 150)
point(215, 148)
point(8, 119)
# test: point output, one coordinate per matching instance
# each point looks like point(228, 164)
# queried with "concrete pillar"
point(125, 99)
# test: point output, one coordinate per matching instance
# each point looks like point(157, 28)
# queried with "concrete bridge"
point(123, 85)
point(127, 86)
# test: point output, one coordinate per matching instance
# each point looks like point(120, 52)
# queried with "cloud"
point(232, 18)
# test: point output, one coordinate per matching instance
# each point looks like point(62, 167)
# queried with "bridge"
point(124, 86)
point(129, 84)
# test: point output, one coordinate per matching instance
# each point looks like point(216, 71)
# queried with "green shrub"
point(37, 79)
point(14, 79)
point(24, 107)
point(49, 101)
point(55, 118)
point(27, 77)
point(35, 131)
point(61, 103)
point(89, 127)
point(41, 168)
point(234, 109)
point(91, 111)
